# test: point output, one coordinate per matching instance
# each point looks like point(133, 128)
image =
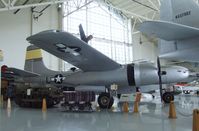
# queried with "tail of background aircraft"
point(34, 61)
point(180, 11)
point(183, 12)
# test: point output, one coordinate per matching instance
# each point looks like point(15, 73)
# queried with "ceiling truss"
point(11, 5)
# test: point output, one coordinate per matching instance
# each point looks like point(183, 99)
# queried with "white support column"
point(60, 27)
point(1, 59)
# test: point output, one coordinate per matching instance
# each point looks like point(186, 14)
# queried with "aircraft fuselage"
point(127, 76)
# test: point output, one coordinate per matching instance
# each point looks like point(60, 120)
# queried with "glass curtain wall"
point(111, 32)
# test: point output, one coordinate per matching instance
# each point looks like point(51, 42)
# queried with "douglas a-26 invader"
point(96, 71)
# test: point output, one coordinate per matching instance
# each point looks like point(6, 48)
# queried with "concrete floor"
point(152, 117)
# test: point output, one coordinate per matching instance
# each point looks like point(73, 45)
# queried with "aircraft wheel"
point(105, 101)
point(168, 97)
point(185, 92)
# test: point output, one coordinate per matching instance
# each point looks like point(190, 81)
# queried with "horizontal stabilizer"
point(22, 73)
point(168, 30)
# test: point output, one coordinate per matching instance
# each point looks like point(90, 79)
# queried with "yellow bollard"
point(172, 111)
point(138, 96)
point(44, 105)
point(135, 107)
point(126, 107)
point(195, 120)
point(9, 104)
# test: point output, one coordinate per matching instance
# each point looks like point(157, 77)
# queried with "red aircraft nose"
point(4, 68)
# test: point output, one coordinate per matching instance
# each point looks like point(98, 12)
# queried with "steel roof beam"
point(154, 5)
point(4, 3)
point(13, 2)
point(127, 12)
point(144, 5)
point(9, 7)
point(25, 2)
point(78, 8)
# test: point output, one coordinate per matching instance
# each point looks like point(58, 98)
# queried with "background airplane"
point(187, 89)
point(178, 29)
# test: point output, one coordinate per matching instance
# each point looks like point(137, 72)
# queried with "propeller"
point(83, 36)
point(160, 77)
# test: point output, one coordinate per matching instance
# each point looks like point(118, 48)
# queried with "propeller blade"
point(160, 77)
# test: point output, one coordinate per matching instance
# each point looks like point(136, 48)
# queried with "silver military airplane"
point(96, 71)
point(178, 29)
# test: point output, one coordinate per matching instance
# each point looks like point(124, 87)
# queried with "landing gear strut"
point(167, 97)
point(105, 100)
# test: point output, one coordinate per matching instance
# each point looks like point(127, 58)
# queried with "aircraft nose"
point(184, 73)
point(176, 74)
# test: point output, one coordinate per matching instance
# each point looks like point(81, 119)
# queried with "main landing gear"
point(105, 100)
point(167, 97)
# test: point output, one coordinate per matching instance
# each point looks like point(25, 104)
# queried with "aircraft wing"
point(22, 73)
point(168, 30)
point(73, 50)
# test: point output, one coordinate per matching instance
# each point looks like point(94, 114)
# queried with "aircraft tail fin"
point(34, 61)
point(166, 10)
point(180, 11)
point(83, 36)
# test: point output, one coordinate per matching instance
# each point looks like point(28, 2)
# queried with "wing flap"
point(168, 31)
point(73, 50)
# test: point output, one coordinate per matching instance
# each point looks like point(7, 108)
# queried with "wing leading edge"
point(73, 50)
point(168, 30)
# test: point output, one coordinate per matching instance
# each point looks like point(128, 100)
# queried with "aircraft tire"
point(105, 101)
point(168, 97)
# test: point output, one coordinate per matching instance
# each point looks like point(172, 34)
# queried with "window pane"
point(111, 34)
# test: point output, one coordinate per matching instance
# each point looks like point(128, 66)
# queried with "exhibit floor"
point(152, 116)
